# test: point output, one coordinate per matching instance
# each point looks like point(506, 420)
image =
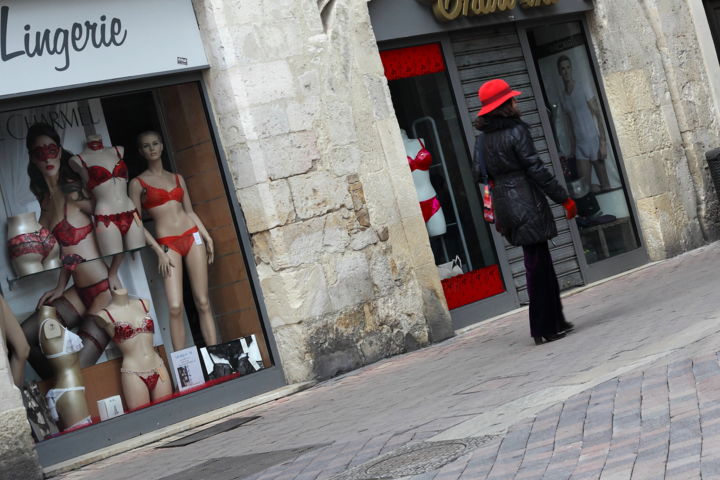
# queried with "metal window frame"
point(131, 425)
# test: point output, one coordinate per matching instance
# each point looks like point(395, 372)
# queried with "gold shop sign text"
point(446, 10)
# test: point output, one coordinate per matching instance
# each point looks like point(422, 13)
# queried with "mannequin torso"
point(67, 397)
point(31, 247)
point(419, 160)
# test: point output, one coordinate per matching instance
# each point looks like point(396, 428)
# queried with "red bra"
point(69, 235)
point(125, 331)
point(98, 175)
point(154, 197)
point(422, 159)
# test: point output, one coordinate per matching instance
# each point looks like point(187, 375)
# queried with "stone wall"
point(18, 459)
point(664, 110)
point(309, 131)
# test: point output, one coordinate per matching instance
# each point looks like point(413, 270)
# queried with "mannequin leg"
point(601, 172)
point(95, 339)
point(15, 338)
point(197, 267)
point(134, 390)
point(108, 238)
point(584, 171)
point(134, 237)
point(174, 294)
point(163, 388)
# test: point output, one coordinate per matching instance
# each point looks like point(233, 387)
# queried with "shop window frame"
point(625, 261)
point(125, 427)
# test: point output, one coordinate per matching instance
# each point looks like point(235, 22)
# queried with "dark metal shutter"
point(491, 52)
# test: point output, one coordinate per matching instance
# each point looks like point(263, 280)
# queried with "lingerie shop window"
point(587, 152)
point(115, 223)
point(440, 164)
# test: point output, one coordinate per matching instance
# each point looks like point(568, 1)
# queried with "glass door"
point(440, 163)
point(586, 149)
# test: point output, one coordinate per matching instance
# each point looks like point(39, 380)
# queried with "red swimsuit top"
point(98, 175)
point(422, 159)
point(69, 235)
point(154, 197)
point(125, 331)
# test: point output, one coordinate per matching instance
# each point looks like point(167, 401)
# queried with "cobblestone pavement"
point(632, 393)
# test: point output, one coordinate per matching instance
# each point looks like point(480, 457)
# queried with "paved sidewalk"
point(632, 393)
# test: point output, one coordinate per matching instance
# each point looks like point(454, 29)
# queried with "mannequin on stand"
point(66, 400)
point(105, 175)
point(128, 322)
point(419, 160)
point(32, 248)
point(14, 338)
point(66, 213)
point(182, 239)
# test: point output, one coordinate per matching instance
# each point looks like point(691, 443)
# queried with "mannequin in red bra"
point(105, 175)
point(182, 239)
point(65, 211)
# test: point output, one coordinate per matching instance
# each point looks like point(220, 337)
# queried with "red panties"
point(88, 294)
point(150, 380)
point(40, 242)
point(123, 220)
point(180, 243)
point(429, 207)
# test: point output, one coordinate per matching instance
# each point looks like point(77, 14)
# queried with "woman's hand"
point(50, 296)
point(570, 208)
point(164, 264)
point(115, 283)
point(209, 249)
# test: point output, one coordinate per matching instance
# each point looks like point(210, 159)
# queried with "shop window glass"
point(587, 153)
point(70, 219)
point(440, 164)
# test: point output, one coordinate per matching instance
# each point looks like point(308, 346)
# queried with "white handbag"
point(450, 269)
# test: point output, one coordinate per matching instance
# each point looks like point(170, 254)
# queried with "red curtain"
point(412, 61)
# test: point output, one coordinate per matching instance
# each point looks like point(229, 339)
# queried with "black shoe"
point(548, 339)
point(567, 328)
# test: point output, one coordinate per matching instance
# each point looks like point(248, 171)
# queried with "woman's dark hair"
point(68, 180)
point(506, 110)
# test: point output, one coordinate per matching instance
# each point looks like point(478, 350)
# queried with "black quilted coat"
point(522, 213)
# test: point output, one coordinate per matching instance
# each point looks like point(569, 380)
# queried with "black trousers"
point(546, 316)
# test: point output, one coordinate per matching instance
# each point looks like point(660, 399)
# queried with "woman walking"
point(519, 183)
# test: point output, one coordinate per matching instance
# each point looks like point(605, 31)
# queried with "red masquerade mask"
point(45, 152)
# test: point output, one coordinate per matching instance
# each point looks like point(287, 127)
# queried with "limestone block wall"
point(306, 120)
point(662, 103)
point(18, 459)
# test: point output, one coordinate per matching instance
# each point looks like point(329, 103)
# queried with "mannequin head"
point(48, 161)
point(150, 146)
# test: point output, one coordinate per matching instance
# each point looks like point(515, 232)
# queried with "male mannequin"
point(104, 173)
point(144, 376)
point(66, 399)
point(419, 159)
point(32, 248)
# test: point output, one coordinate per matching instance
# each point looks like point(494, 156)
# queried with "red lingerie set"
point(125, 331)
point(154, 197)
point(68, 235)
point(422, 161)
point(98, 175)
point(41, 242)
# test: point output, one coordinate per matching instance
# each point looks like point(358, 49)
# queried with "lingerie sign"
point(446, 10)
point(48, 45)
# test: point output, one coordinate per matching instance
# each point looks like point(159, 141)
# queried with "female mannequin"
point(32, 248)
point(419, 159)
point(66, 399)
point(65, 212)
point(105, 175)
point(14, 338)
point(182, 235)
point(144, 376)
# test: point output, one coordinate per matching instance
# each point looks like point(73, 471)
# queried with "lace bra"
point(71, 343)
point(154, 197)
point(69, 235)
point(98, 175)
point(422, 159)
point(125, 331)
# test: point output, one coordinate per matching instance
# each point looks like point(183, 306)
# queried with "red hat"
point(494, 93)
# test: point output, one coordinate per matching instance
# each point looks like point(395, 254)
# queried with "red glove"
point(570, 208)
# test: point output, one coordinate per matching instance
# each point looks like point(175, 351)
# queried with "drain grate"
point(414, 459)
point(225, 426)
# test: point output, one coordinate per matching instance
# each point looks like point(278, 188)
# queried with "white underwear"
point(71, 343)
point(52, 397)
